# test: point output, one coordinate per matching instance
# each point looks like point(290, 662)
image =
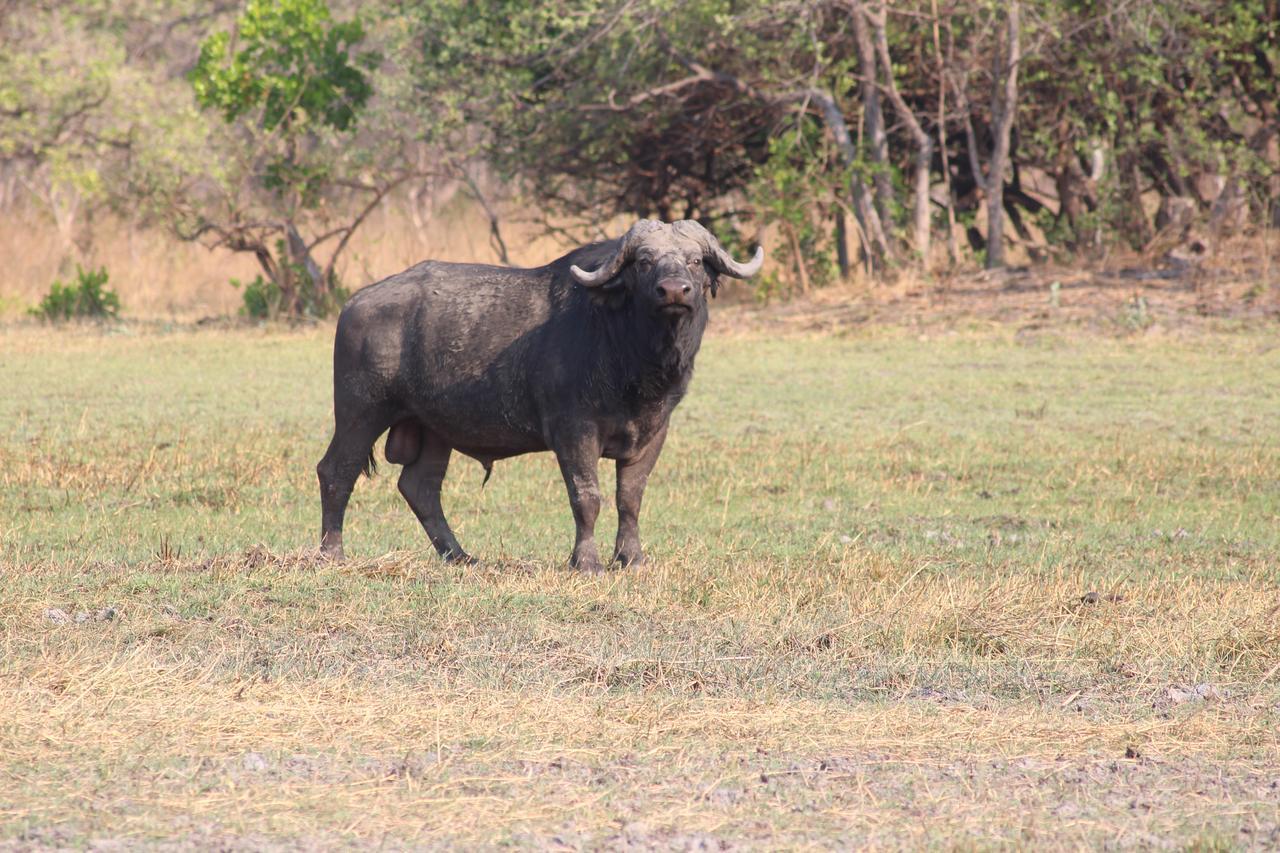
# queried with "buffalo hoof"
point(461, 558)
point(587, 565)
point(331, 548)
point(629, 559)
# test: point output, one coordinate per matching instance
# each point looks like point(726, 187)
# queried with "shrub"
point(87, 296)
point(261, 298)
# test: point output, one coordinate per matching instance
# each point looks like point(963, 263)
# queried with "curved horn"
point(719, 257)
point(626, 250)
point(731, 267)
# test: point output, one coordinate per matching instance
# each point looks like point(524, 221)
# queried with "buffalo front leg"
point(633, 475)
point(420, 484)
point(578, 458)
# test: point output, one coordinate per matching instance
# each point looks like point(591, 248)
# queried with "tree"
point(604, 108)
point(919, 136)
point(1004, 107)
point(798, 116)
point(292, 87)
point(1127, 98)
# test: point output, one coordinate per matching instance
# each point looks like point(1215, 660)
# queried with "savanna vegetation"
point(860, 138)
point(971, 589)
point(940, 555)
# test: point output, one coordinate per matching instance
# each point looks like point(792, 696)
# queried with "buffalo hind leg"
point(420, 483)
point(347, 456)
point(633, 476)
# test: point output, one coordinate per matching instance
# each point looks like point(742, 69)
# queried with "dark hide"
point(495, 362)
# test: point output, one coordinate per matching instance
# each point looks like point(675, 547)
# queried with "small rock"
point(1068, 810)
point(1090, 597)
point(106, 614)
point(57, 616)
point(723, 796)
point(1201, 693)
point(1207, 692)
point(846, 539)
point(1132, 752)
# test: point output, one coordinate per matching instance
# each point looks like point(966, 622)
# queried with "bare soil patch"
point(1125, 294)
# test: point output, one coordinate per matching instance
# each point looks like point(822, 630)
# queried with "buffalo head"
point(668, 266)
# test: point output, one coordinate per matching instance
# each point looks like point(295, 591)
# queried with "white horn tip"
point(588, 279)
point(752, 266)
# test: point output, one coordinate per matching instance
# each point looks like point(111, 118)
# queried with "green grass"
point(1063, 452)
point(862, 622)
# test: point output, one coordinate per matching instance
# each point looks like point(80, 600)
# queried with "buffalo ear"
point(612, 294)
point(714, 281)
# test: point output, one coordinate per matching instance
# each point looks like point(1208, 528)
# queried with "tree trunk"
point(953, 251)
point(875, 248)
point(1004, 105)
point(802, 274)
point(873, 118)
point(303, 273)
point(842, 244)
point(924, 145)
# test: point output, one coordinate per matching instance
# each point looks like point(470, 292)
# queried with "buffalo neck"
point(646, 357)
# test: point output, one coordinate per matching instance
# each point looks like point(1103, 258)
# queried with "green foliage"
point(261, 298)
point(590, 109)
point(563, 97)
point(86, 297)
point(1170, 90)
point(293, 88)
point(287, 71)
point(796, 189)
point(289, 62)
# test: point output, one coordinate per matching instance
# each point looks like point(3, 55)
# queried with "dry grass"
point(975, 590)
point(1121, 294)
point(159, 277)
point(481, 705)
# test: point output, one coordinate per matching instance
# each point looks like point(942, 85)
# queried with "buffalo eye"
point(644, 265)
point(695, 262)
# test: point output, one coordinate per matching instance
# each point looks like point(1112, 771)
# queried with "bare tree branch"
point(495, 233)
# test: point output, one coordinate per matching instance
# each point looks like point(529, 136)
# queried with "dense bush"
point(855, 132)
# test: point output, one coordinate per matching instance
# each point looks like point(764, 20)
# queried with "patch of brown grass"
point(1124, 293)
point(886, 607)
point(160, 277)
point(523, 704)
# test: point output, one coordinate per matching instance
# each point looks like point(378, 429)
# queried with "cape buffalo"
point(495, 362)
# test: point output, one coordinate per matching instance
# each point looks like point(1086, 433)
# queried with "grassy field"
point(970, 589)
